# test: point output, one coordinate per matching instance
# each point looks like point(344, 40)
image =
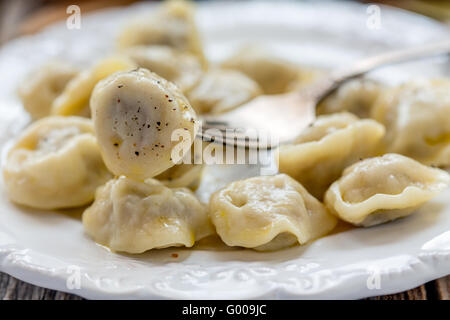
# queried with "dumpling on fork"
point(133, 216)
point(55, 163)
point(320, 154)
point(143, 123)
point(382, 189)
point(268, 213)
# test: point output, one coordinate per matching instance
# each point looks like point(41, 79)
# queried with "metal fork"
point(282, 117)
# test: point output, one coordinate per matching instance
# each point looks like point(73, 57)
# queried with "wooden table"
point(11, 288)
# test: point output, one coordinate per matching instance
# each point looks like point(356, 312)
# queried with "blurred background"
point(21, 17)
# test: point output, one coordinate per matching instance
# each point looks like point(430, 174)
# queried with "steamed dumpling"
point(385, 188)
point(417, 120)
point(172, 24)
point(357, 97)
point(274, 75)
point(183, 175)
point(55, 163)
point(142, 122)
point(268, 213)
point(222, 90)
point(132, 216)
point(40, 88)
point(74, 100)
point(181, 68)
point(320, 154)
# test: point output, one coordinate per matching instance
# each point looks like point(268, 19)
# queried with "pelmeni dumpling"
point(74, 100)
point(222, 90)
point(183, 175)
point(381, 189)
point(172, 24)
point(181, 68)
point(268, 213)
point(132, 216)
point(417, 120)
point(40, 88)
point(274, 75)
point(357, 97)
point(143, 123)
point(55, 163)
point(320, 154)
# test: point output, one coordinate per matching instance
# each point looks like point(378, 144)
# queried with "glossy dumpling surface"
point(55, 163)
point(417, 119)
point(173, 25)
point(357, 97)
point(384, 188)
point(74, 100)
point(134, 217)
point(139, 119)
point(320, 154)
point(181, 68)
point(222, 90)
point(274, 75)
point(40, 88)
point(268, 213)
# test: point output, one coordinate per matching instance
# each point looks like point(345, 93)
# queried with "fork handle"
point(366, 65)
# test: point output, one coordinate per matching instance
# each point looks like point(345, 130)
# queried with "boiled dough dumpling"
point(273, 74)
point(181, 68)
point(172, 24)
point(222, 90)
point(384, 188)
point(320, 154)
point(74, 100)
point(55, 163)
point(143, 123)
point(268, 213)
point(357, 97)
point(417, 119)
point(132, 216)
point(40, 88)
point(183, 175)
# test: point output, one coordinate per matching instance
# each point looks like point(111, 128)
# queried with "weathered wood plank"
point(12, 289)
point(443, 288)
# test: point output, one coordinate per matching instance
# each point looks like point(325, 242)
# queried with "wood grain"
point(13, 289)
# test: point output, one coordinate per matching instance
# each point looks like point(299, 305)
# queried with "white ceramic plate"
point(48, 248)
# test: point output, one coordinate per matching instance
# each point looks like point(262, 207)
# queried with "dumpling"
point(274, 75)
point(306, 76)
point(181, 68)
point(40, 88)
point(385, 188)
point(268, 213)
point(182, 176)
point(74, 100)
point(320, 154)
point(132, 216)
point(417, 119)
point(173, 25)
point(55, 163)
point(356, 96)
point(139, 119)
point(222, 90)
